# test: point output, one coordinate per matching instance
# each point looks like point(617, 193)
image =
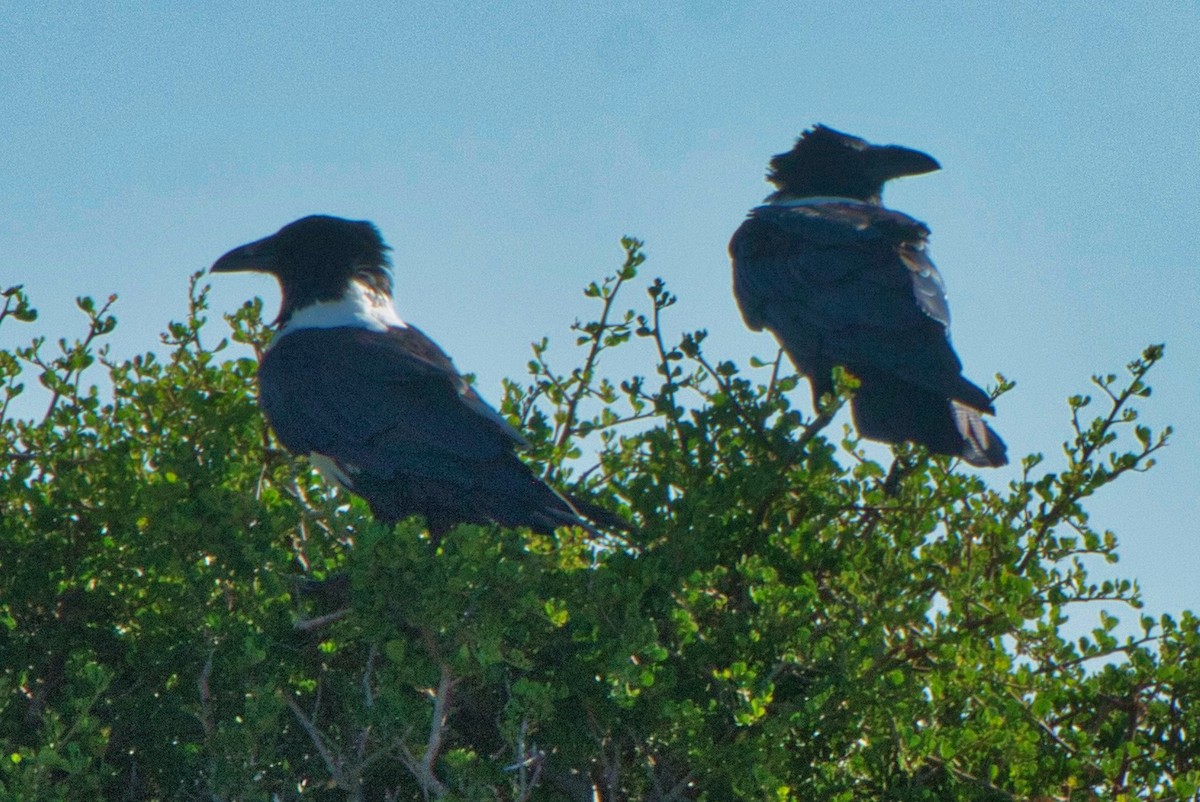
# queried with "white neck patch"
point(360, 307)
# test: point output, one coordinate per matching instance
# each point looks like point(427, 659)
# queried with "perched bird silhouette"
point(376, 405)
point(841, 280)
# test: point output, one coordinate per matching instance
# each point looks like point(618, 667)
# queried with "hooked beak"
point(893, 161)
point(257, 256)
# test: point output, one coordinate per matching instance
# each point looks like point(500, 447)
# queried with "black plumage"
point(841, 280)
point(376, 404)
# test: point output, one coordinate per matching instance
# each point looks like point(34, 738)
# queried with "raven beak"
point(258, 256)
point(893, 161)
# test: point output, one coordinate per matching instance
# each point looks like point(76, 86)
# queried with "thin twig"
point(309, 624)
point(589, 365)
point(333, 763)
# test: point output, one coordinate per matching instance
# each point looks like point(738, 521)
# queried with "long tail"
point(894, 411)
point(982, 447)
point(605, 519)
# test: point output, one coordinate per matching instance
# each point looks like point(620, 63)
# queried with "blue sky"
point(503, 149)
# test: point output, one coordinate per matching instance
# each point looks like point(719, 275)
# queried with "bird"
point(841, 280)
point(377, 407)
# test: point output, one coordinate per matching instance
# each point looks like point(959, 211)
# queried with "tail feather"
point(982, 447)
point(601, 517)
point(893, 411)
point(506, 492)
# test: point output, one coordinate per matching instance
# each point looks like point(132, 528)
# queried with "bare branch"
point(309, 624)
point(422, 770)
point(206, 695)
point(332, 762)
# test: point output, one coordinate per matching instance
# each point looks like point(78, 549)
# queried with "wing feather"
point(384, 403)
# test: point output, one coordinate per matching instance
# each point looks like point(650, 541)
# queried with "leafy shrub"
point(788, 619)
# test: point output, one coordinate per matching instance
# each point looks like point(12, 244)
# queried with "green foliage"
point(788, 619)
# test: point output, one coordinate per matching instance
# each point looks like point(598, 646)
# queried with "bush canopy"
point(787, 619)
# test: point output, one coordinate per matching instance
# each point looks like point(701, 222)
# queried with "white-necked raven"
point(841, 280)
point(376, 405)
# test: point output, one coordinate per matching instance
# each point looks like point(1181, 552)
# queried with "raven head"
point(315, 258)
point(825, 162)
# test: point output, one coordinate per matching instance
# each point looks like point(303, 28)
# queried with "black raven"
point(841, 280)
point(376, 405)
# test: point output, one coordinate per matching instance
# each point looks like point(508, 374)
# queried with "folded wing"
point(403, 428)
